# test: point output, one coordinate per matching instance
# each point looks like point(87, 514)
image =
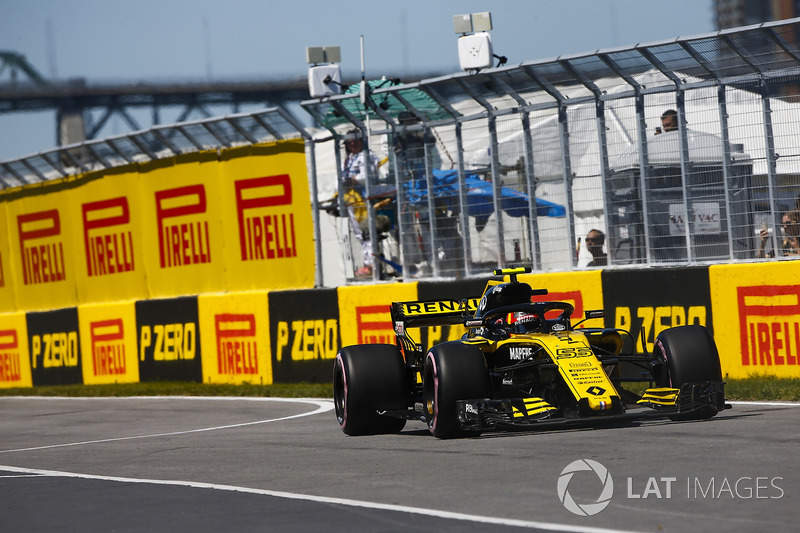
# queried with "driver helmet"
point(523, 322)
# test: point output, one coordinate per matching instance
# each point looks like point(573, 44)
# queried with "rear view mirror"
point(598, 313)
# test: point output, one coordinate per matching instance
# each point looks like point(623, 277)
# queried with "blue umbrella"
point(479, 196)
point(513, 202)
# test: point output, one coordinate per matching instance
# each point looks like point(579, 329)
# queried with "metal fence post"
point(644, 168)
point(772, 179)
point(726, 162)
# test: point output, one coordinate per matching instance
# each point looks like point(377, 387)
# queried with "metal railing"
point(158, 142)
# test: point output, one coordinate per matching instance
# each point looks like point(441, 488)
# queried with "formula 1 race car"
point(521, 365)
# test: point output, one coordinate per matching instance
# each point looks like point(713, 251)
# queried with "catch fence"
point(582, 136)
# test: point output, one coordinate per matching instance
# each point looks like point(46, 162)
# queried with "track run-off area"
point(269, 464)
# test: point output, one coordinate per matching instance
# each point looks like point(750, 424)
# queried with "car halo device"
point(324, 74)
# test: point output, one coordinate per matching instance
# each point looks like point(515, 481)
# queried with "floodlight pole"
point(365, 151)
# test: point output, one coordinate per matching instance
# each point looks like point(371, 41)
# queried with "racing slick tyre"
point(369, 378)
point(453, 371)
point(689, 355)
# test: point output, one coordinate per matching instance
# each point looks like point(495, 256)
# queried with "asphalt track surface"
point(259, 464)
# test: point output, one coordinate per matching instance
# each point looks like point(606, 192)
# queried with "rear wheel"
point(369, 378)
point(453, 371)
point(689, 355)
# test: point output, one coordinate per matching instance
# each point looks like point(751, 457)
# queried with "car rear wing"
point(424, 313)
point(432, 313)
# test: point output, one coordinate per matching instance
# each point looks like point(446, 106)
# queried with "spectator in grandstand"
point(790, 230)
point(595, 240)
point(669, 121)
point(354, 179)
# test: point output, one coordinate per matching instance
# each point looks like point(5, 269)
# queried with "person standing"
point(595, 240)
point(791, 229)
point(790, 236)
point(669, 122)
point(354, 180)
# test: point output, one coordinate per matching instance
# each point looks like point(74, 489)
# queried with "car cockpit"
point(506, 309)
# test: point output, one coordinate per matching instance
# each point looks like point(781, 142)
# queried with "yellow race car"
point(521, 365)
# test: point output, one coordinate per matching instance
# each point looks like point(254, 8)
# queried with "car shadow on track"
point(494, 434)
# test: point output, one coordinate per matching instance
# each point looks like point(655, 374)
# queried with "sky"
point(114, 41)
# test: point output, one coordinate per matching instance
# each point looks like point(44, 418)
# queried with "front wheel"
point(689, 355)
point(369, 379)
point(453, 371)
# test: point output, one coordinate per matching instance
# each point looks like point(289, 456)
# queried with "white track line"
point(323, 406)
point(327, 500)
point(765, 404)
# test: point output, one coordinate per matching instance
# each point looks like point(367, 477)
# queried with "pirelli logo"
point(41, 247)
point(108, 347)
point(266, 221)
point(183, 236)
point(237, 349)
point(107, 237)
point(9, 356)
point(374, 325)
point(769, 325)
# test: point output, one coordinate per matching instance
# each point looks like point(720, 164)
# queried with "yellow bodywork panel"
point(661, 396)
point(580, 369)
point(533, 406)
